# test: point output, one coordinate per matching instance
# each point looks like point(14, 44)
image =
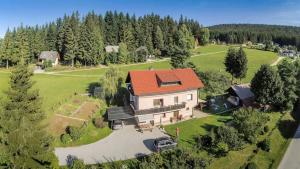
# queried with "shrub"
point(77, 164)
point(65, 138)
point(98, 122)
point(204, 142)
point(265, 145)
point(251, 165)
point(221, 149)
point(74, 132)
point(230, 136)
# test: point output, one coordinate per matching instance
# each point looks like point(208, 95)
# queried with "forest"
point(82, 39)
point(256, 33)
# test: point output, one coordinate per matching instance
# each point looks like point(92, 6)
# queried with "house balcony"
point(158, 109)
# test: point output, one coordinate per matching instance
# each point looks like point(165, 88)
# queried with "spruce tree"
point(267, 86)
point(22, 45)
point(129, 37)
point(7, 49)
point(123, 53)
point(24, 140)
point(69, 45)
point(204, 36)
point(185, 38)
point(50, 38)
point(159, 39)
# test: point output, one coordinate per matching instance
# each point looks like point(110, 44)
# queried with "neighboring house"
point(240, 95)
point(142, 50)
point(110, 49)
point(52, 56)
point(289, 53)
point(159, 97)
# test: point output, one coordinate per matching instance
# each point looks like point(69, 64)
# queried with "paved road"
point(122, 144)
point(291, 159)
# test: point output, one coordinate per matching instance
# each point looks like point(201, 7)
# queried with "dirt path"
point(74, 118)
point(277, 61)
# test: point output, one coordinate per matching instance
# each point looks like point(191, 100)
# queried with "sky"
point(207, 12)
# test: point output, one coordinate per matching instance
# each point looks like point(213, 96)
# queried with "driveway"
point(292, 155)
point(122, 144)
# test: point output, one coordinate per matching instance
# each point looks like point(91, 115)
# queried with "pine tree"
point(204, 36)
point(110, 29)
point(288, 73)
point(23, 139)
point(7, 49)
point(85, 45)
point(267, 86)
point(159, 39)
point(123, 53)
point(22, 45)
point(185, 38)
point(129, 37)
point(69, 45)
point(50, 38)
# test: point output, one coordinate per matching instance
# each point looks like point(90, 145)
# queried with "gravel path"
point(122, 144)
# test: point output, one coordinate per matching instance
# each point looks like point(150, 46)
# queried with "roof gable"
point(147, 82)
point(243, 91)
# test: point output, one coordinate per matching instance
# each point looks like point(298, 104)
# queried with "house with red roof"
point(160, 96)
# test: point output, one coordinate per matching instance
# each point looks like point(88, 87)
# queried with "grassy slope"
point(235, 159)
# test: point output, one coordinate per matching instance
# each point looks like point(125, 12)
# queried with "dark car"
point(164, 143)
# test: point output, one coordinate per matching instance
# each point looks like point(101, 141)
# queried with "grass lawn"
point(235, 159)
point(91, 134)
point(57, 89)
point(194, 127)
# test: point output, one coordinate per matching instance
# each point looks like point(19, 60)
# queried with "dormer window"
point(167, 79)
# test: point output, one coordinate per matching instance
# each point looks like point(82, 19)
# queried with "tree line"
point(81, 40)
point(256, 33)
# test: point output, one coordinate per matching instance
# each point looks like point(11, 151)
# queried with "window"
point(164, 115)
point(158, 102)
point(189, 97)
point(176, 100)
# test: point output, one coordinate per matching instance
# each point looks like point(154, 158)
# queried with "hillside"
point(240, 33)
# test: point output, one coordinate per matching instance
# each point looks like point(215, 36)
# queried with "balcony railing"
point(158, 109)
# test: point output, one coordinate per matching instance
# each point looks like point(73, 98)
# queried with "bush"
point(77, 164)
point(265, 145)
point(65, 138)
point(47, 64)
point(74, 132)
point(204, 142)
point(230, 136)
point(221, 149)
point(251, 165)
point(98, 122)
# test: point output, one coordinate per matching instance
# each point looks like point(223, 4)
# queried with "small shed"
point(241, 95)
point(111, 48)
point(52, 56)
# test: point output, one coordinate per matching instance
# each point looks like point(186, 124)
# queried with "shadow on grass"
point(91, 87)
point(287, 128)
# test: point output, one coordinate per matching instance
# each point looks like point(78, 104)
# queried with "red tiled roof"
point(146, 82)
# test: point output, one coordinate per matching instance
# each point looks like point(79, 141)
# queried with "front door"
point(176, 114)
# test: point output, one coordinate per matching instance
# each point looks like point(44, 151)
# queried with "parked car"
point(117, 124)
point(164, 143)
